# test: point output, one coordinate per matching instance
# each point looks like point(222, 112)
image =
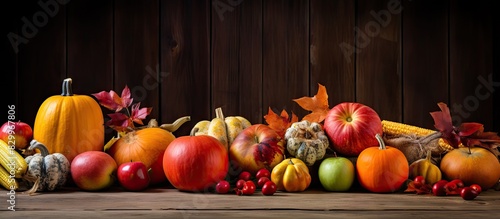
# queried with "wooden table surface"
point(314, 203)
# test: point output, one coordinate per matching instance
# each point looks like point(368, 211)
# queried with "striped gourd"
point(396, 128)
point(46, 172)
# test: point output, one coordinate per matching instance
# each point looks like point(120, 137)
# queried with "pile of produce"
point(334, 147)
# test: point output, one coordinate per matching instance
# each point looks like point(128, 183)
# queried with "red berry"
point(262, 181)
point(263, 173)
point(222, 187)
point(269, 188)
point(451, 188)
point(245, 175)
point(419, 181)
point(468, 194)
point(240, 183)
point(476, 187)
point(248, 188)
point(438, 188)
point(458, 182)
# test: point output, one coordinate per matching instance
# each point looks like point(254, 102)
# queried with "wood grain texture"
point(471, 63)
point(90, 45)
point(185, 61)
point(136, 49)
point(425, 60)
point(285, 55)
point(331, 65)
point(237, 59)
point(378, 62)
point(42, 60)
point(308, 204)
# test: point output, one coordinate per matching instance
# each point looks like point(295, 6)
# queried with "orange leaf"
point(280, 123)
point(317, 105)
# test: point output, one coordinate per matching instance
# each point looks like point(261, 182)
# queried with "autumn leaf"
point(123, 119)
point(119, 122)
point(280, 123)
point(469, 134)
point(317, 105)
point(422, 190)
point(137, 115)
point(112, 101)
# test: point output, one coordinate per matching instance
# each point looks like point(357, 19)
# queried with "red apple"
point(93, 170)
point(255, 148)
point(21, 132)
point(133, 176)
point(351, 128)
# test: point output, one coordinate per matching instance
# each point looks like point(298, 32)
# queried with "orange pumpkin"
point(69, 124)
point(146, 145)
point(472, 165)
point(382, 169)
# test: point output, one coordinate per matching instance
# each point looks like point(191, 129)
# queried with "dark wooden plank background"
point(189, 57)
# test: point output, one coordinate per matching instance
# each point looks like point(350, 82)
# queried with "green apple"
point(336, 174)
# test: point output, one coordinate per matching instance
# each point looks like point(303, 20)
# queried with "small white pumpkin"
point(306, 141)
point(46, 172)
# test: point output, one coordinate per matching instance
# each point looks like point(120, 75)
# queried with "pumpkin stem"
point(380, 142)
point(290, 161)
point(176, 124)
point(429, 156)
point(34, 144)
point(192, 133)
point(67, 90)
point(152, 123)
point(219, 114)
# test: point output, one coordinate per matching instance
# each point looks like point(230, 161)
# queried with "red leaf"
point(469, 134)
point(126, 100)
point(119, 122)
point(469, 128)
point(110, 100)
point(139, 114)
point(443, 123)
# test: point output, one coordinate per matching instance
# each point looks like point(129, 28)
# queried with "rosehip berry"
point(262, 181)
point(263, 173)
point(248, 188)
point(468, 194)
point(240, 183)
point(419, 181)
point(476, 187)
point(222, 187)
point(269, 188)
point(245, 175)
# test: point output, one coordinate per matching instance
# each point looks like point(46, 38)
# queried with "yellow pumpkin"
point(291, 175)
point(70, 124)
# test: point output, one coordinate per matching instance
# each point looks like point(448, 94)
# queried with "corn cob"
point(396, 128)
point(9, 158)
point(6, 181)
